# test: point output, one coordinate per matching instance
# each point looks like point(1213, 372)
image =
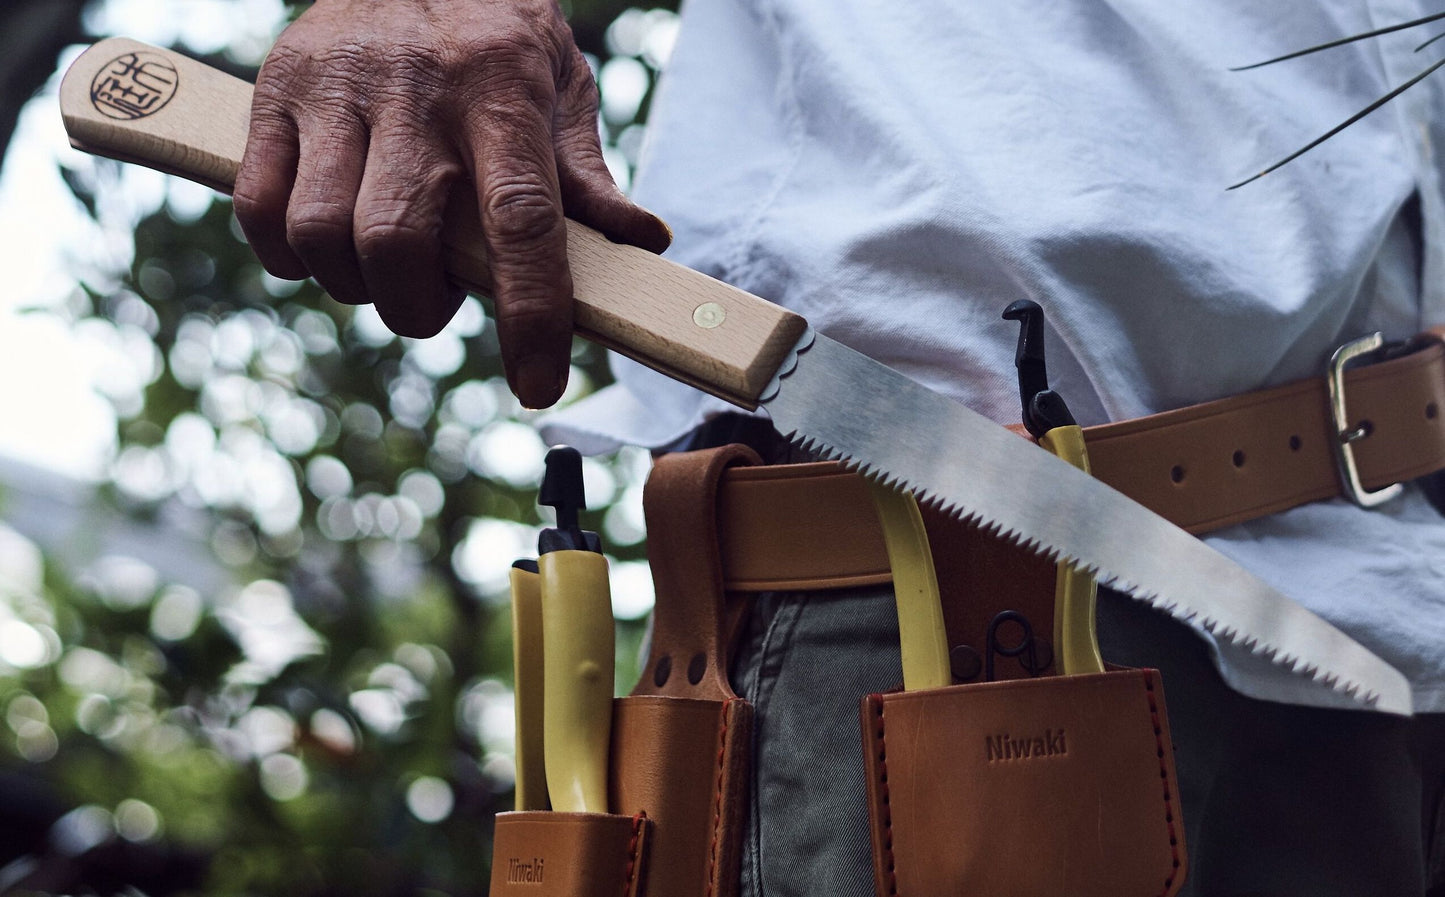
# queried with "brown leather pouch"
point(1057, 785)
point(681, 741)
point(545, 854)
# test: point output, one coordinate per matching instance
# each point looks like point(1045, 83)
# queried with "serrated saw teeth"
point(1227, 620)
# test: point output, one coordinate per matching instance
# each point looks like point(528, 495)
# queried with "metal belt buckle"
point(1366, 349)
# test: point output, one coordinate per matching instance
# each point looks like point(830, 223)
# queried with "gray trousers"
point(1277, 800)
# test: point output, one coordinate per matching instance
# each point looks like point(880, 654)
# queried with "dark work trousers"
point(1277, 800)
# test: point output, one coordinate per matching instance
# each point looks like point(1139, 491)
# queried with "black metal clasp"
point(1043, 409)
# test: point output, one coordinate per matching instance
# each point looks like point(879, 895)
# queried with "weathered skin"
point(369, 113)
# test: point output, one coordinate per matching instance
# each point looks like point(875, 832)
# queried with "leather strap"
point(1237, 459)
point(682, 740)
point(692, 625)
point(798, 527)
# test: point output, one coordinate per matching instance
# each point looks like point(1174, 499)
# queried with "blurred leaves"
point(335, 718)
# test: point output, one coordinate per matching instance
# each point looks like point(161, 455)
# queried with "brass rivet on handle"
point(708, 315)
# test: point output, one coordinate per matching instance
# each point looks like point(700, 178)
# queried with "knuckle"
point(511, 41)
point(318, 80)
point(516, 91)
point(399, 220)
point(520, 213)
point(296, 72)
point(580, 148)
point(252, 202)
point(284, 65)
point(534, 308)
point(393, 235)
point(513, 62)
point(317, 227)
point(534, 320)
point(417, 75)
point(271, 120)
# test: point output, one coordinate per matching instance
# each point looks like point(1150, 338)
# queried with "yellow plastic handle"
point(577, 630)
point(527, 678)
point(921, 631)
point(1076, 640)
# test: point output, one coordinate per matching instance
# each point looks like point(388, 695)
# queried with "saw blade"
point(844, 406)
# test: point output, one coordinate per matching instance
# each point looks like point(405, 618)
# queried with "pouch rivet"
point(964, 663)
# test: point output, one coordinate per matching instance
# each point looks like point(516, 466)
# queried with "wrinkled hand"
point(369, 113)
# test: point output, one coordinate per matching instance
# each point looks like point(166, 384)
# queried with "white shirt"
point(898, 173)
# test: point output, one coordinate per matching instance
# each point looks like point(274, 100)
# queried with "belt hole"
point(1177, 473)
point(1238, 458)
point(663, 670)
point(1294, 443)
point(1431, 410)
point(696, 667)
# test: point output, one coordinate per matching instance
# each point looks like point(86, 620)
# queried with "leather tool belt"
point(720, 526)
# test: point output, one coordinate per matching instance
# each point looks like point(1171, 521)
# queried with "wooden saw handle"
point(138, 103)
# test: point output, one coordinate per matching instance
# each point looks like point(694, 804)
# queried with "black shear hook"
point(1043, 409)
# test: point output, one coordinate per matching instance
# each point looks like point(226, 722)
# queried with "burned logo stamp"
point(134, 85)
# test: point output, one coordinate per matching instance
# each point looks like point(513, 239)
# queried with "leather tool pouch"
point(1057, 785)
point(678, 777)
point(1042, 785)
point(681, 741)
point(545, 854)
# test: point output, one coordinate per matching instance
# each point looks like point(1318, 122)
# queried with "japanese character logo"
point(134, 85)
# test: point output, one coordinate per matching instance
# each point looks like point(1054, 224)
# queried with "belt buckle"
point(1365, 350)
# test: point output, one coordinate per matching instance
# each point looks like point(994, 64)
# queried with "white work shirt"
point(898, 173)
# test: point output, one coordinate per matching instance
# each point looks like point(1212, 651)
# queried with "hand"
point(368, 114)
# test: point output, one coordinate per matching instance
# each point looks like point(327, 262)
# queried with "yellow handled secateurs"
point(564, 655)
point(1047, 418)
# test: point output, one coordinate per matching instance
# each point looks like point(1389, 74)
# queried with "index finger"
point(526, 236)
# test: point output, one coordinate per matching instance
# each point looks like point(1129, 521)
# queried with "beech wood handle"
point(138, 103)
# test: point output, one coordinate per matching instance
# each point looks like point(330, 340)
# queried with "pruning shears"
point(1047, 418)
point(562, 626)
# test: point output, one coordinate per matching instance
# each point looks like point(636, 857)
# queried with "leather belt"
point(1202, 467)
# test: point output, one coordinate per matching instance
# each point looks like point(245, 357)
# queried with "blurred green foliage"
point(337, 718)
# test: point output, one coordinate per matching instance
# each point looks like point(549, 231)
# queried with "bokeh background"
point(254, 630)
